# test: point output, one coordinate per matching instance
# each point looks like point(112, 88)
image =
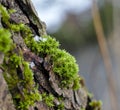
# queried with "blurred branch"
point(105, 54)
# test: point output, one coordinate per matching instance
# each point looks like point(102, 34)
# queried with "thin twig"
point(105, 54)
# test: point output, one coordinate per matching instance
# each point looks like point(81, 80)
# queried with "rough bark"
point(43, 75)
point(6, 102)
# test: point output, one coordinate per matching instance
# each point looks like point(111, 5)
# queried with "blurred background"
point(89, 30)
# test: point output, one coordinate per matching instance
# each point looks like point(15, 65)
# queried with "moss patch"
point(24, 92)
point(4, 13)
point(48, 99)
point(64, 64)
point(95, 105)
point(5, 40)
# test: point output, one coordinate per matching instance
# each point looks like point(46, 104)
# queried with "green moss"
point(11, 77)
point(27, 94)
point(76, 82)
point(5, 40)
point(28, 74)
point(82, 109)
point(61, 106)
point(11, 11)
point(90, 94)
point(29, 99)
point(96, 105)
point(4, 13)
point(47, 45)
point(16, 60)
point(64, 64)
point(48, 99)
point(6, 17)
point(31, 94)
point(24, 92)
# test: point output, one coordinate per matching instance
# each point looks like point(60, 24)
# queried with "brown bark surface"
point(43, 75)
point(6, 102)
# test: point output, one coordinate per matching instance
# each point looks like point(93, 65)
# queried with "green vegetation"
point(5, 40)
point(47, 45)
point(29, 99)
point(64, 64)
point(6, 19)
point(61, 106)
point(48, 99)
point(28, 94)
point(24, 91)
point(82, 109)
point(4, 13)
point(16, 60)
point(96, 105)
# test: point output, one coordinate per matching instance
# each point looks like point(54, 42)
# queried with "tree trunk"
point(12, 79)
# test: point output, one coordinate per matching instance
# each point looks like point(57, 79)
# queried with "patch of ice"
point(44, 39)
point(37, 38)
point(32, 64)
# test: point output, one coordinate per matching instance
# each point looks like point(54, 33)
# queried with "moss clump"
point(16, 60)
point(4, 13)
point(29, 99)
point(45, 45)
point(24, 92)
point(28, 74)
point(82, 109)
point(61, 106)
point(48, 99)
point(96, 105)
point(11, 11)
point(11, 77)
point(6, 20)
point(5, 40)
point(64, 64)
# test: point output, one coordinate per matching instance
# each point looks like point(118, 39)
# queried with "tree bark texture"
point(46, 80)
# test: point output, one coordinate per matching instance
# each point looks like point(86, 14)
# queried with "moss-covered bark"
point(38, 74)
